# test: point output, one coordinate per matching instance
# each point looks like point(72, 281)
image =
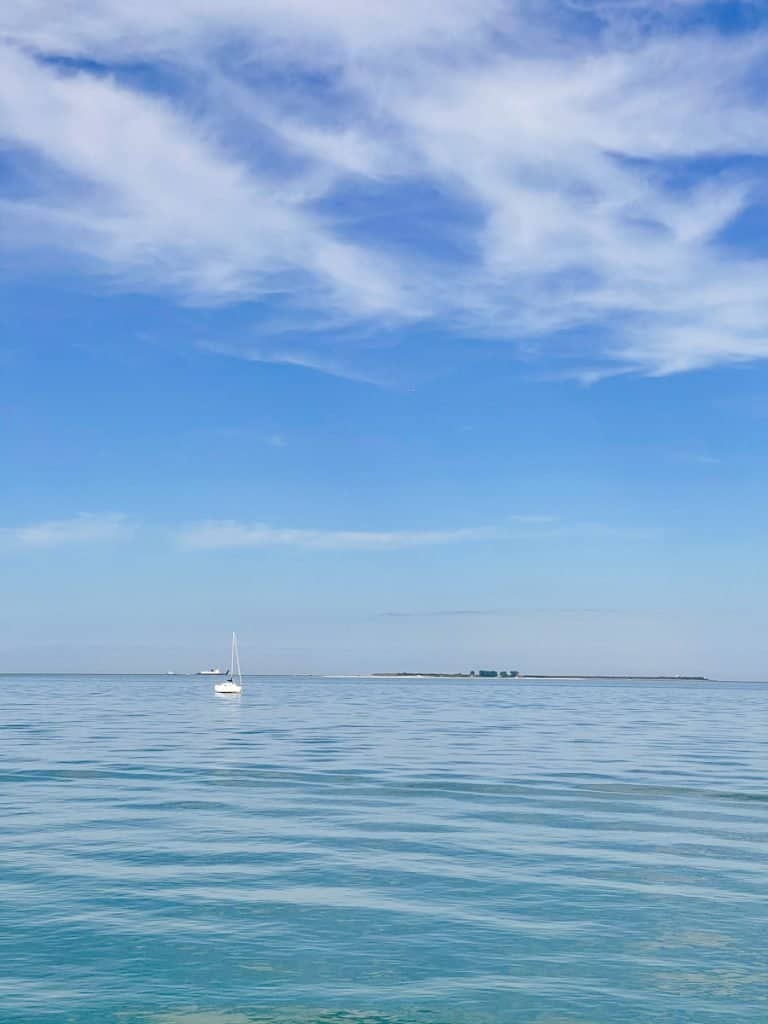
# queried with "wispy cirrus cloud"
point(230, 534)
point(301, 30)
point(334, 365)
point(52, 533)
point(233, 534)
point(560, 169)
point(505, 612)
point(700, 459)
point(160, 204)
point(446, 613)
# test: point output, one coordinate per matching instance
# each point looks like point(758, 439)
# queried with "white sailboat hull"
point(227, 688)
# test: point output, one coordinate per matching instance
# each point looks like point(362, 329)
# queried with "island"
point(509, 674)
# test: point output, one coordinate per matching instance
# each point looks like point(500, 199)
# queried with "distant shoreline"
point(513, 679)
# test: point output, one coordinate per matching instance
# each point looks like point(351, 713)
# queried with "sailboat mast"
point(236, 659)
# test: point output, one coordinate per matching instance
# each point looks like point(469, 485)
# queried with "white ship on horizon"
point(210, 672)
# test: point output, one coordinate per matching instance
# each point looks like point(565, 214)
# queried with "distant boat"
point(234, 681)
point(210, 672)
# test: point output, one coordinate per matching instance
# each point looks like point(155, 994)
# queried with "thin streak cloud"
point(302, 359)
point(53, 533)
point(229, 534)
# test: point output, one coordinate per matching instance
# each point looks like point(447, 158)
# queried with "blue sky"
point(419, 337)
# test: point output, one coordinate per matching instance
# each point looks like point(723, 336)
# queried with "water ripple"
point(360, 852)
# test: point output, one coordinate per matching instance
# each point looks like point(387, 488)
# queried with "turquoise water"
point(382, 851)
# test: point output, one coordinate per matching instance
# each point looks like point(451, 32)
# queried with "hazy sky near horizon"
point(401, 336)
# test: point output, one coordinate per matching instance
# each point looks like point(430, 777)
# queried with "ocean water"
point(382, 851)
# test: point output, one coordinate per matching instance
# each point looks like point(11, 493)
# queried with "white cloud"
point(699, 459)
point(332, 366)
point(228, 534)
point(307, 30)
point(146, 191)
point(83, 529)
point(587, 176)
point(514, 530)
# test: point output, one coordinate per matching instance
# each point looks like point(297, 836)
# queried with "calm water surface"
point(382, 851)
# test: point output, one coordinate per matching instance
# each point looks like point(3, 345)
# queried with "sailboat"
point(234, 681)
